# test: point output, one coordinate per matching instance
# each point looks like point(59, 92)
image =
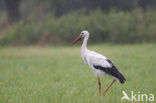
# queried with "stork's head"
point(83, 34)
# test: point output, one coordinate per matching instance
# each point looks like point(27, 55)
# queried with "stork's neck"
point(84, 45)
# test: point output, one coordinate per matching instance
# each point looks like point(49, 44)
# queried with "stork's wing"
point(94, 58)
point(105, 65)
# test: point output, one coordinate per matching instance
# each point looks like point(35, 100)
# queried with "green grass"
point(58, 74)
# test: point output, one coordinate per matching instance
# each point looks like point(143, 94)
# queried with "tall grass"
point(114, 27)
point(57, 75)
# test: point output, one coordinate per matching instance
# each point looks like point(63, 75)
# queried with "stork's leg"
point(108, 87)
point(99, 82)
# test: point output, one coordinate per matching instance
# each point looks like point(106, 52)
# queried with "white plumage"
point(93, 58)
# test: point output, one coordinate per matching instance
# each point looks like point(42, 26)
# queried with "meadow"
point(58, 74)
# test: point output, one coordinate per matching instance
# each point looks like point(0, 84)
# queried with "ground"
point(58, 74)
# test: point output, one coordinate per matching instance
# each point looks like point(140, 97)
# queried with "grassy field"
point(58, 74)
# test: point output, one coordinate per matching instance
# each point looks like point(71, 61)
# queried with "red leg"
point(108, 87)
point(99, 82)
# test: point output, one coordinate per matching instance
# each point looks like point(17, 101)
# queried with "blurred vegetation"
point(114, 27)
point(58, 22)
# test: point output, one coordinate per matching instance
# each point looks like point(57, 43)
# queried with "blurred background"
point(58, 22)
point(39, 65)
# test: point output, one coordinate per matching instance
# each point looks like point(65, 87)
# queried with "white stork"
point(98, 63)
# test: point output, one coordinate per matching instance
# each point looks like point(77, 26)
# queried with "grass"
point(58, 74)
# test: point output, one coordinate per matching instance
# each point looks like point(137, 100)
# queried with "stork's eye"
point(82, 33)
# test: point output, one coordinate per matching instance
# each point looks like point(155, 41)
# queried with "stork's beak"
point(77, 39)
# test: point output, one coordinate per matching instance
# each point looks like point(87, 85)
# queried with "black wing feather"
point(113, 71)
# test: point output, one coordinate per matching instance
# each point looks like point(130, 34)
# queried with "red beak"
point(77, 39)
